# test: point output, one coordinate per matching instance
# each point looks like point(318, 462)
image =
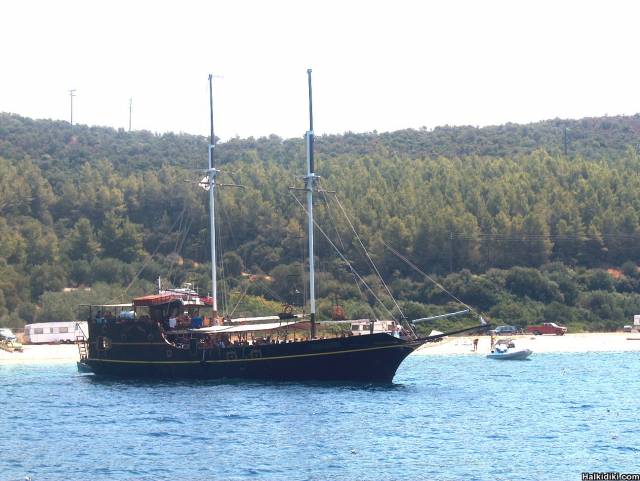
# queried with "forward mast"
point(212, 174)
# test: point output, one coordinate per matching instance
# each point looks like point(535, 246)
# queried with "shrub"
point(531, 283)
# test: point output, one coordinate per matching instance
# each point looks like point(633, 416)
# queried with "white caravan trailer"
point(54, 332)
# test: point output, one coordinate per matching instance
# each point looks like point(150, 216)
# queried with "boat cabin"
point(179, 318)
point(361, 327)
point(173, 310)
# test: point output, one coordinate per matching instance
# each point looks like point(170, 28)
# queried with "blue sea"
point(444, 418)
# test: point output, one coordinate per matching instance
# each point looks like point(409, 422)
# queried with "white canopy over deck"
point(263, 318)
point(107, 305)
point(245, 328)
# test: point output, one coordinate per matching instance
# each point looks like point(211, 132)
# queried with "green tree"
point(82, 242)
point(121, 238)
point(531, 283)
point(233, 264)
point(47, 277)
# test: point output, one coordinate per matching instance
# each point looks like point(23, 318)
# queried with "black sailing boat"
point(167, 335)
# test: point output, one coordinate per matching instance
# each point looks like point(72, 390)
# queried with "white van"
point(55, 332)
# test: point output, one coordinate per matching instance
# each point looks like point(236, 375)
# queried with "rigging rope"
point(417, 269)
point(180, 239)
point(220, 250)
point(148, 259)
point(241, 298)
point(335, 226)
point(184, 236)
point(345, 260)
point(375, 268)
point(274, 294)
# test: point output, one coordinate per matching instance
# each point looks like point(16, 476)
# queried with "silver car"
point(6, 334)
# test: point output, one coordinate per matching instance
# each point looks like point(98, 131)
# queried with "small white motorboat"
point(506, 350)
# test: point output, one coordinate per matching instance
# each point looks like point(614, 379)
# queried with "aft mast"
point(212, 173)
point(310, 182)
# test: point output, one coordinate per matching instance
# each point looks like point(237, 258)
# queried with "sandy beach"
point(590, 342)
point(586, 342)
point(42, 354)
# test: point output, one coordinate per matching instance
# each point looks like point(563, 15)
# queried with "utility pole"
point(130, 103)
point(71, 95)
point(565, 141)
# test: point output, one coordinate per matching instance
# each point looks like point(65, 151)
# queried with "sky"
point(377, 65)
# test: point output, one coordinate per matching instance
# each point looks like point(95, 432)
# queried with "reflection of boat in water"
point(505, 349)
point(177, 333)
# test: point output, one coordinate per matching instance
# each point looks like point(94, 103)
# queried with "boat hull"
point(511, 356)
point(372, 358)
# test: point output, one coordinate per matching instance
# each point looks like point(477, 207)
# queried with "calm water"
point(461, 417)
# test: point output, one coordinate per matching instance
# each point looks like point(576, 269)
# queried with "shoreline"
point(41, 354)
point(569, 343)
point(450, 346)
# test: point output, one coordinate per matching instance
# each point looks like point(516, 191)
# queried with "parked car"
point(6, 334)
point(547, 328)
point(506, 330)
point(8, 340)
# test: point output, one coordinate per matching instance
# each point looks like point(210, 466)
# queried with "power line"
point(526, 237)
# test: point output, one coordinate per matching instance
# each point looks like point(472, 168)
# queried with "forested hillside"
point(499, 215)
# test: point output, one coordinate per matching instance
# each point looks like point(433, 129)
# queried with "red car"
point(547, 328)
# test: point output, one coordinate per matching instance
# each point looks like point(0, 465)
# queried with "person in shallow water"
point(475, 344)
